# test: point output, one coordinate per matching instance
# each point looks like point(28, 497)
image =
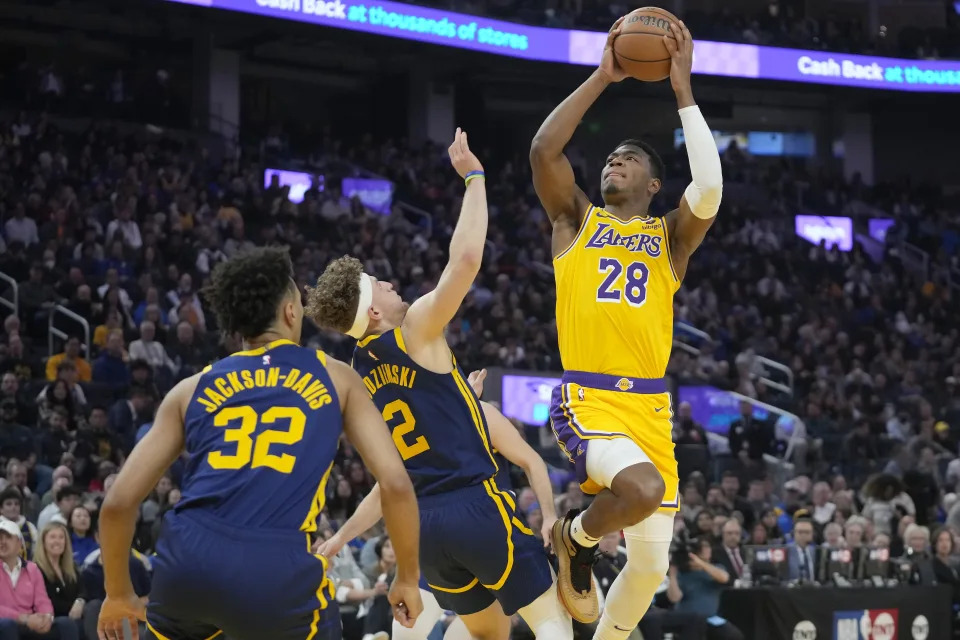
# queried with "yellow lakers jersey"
point(615, 287)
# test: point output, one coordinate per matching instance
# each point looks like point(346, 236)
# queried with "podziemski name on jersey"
point(386, 374)
point(606, 236)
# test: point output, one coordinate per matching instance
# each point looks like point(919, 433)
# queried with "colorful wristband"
point(473, 174)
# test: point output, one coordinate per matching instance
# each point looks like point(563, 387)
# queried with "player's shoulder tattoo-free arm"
point(429, 315)
point(553, 176)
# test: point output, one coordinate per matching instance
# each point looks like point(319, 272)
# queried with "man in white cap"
point(25, 608)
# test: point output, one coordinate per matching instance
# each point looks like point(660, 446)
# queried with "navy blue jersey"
point(262, 431)
point(436, 419)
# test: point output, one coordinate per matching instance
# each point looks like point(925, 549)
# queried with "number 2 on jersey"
point(635, 288)
point(256, 451)
point(406, 427)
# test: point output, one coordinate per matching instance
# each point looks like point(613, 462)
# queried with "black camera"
point(680, 549)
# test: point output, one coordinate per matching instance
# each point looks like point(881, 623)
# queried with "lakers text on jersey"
point(234, 555)
point(473, 547)
point(615, 288)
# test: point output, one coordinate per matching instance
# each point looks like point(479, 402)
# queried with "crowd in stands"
point(122, 231)
point(779, 23)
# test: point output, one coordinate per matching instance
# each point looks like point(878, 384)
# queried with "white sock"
point(547, 617)
point(583, 538)
point(630, 595)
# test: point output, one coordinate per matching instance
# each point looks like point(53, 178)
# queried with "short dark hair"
point(381, 543)
point(333, 302)
point(657, 168)
point(11, 493)
point(246, 290)
point(67, 491)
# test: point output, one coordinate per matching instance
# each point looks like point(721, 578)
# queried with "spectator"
point(945, 562)
point(10, 390)
point(802, 554)
point(126, 416)
point(23, 365)
point(67, 372)
point(54, 558)
point(71, 353)
point(823, 508)
point(189, 356)
point(98, 442)
point(378, 621)
point(25, 609)
point(82, 539)
point(36, 297)
point(11, 507)
point(833, 536)
point(67, 498)
point(17, 477)
point(695, 589)
point(57, 398)
point(16, 440)
point(750, 438)
point(111, 367)
point(728, 554)
point(20, 228)
point(147, 349)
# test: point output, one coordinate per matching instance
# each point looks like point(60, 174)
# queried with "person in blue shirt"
point(696, 589)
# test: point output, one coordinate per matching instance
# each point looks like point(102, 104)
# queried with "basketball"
point(639, 48)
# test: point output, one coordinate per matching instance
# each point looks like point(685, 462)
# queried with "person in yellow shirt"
point(71, 353)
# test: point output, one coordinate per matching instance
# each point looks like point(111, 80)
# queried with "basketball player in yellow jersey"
point(617, 270)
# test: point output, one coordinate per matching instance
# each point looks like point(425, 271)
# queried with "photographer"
point(695, 584)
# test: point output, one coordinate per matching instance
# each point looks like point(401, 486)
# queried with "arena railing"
point(780, 469)
point(53, 332)
point(682, 328)
point(11, 304)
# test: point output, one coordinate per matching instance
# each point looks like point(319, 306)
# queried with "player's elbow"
point(468, 260)
point(541, 149)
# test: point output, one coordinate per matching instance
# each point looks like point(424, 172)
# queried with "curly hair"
point(246, 290)
point(333, 302)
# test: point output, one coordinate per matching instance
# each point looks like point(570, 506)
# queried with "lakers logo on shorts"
point(624, 384)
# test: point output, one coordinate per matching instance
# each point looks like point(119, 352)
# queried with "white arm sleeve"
point(704, 192)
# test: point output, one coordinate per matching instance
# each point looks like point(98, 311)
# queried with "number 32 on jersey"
point(623, 282)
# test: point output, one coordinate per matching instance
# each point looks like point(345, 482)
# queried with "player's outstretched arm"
point(370, 436)
point(563, 200)
point(506, 440)
point(701, 200)
point(429, 315)
point(147, 463)
point(367, 514)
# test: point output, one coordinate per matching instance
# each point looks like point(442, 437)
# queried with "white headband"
point(362, 321)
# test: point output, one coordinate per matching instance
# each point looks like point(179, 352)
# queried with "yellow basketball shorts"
point(593, 406)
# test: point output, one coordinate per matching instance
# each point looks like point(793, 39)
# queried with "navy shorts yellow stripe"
point(474, 550)
point(210, 576)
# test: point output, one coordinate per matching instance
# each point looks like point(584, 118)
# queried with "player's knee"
point(642, 493)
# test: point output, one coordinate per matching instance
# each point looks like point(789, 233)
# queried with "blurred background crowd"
point(110, 225)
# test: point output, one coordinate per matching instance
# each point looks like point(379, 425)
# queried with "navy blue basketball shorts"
point(210, 577)
point(474, 550)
